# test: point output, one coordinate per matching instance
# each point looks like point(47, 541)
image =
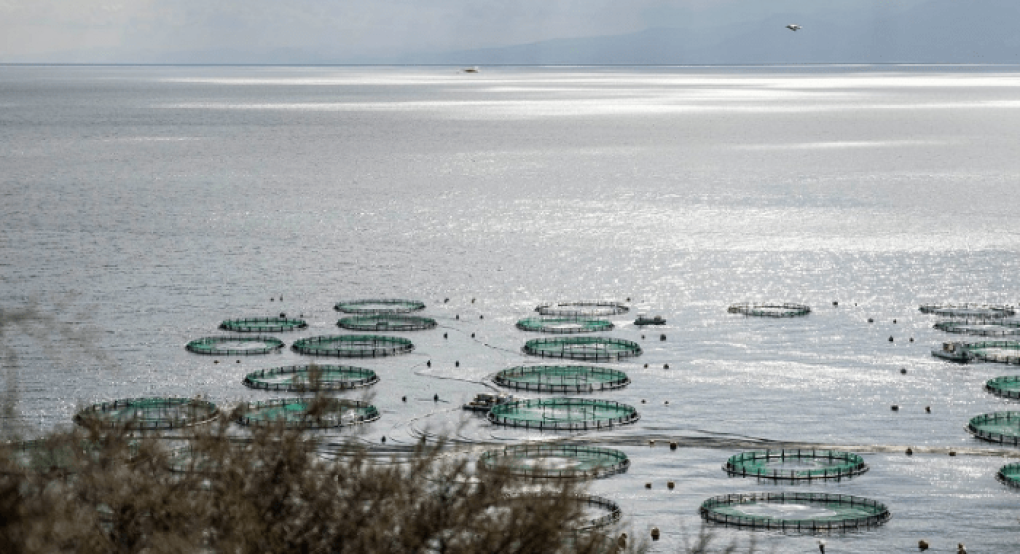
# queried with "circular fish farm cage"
point(563, 414)
point(234, 346)
point(309, 378)
point(797, 511)
point(995, 351)
point(582, 309)
point(353, 346)
point(386, 322)
point(1006, 387)
point(263, 325)
point(795, 465)
point(561, 378)
point(147, 414)
point(594, 349)
point(564, 325)
point(292, 413)
point(980, 327)
point(612, 512)
point(379, 306)
point(554, 461)
point(968, 310)
point(785, 309)
point(1000, 427)
point(1009, 474)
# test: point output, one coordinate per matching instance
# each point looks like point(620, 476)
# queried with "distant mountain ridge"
point(944, 31)
point(938, 31)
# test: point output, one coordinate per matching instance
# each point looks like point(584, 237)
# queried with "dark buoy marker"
point(662, 336)
point(922, 545)
point(665, 366)
point(429, 363)
point(870, 320)
point(445, 335)
point(890, 339)
point(456, 364)
point(903, 370)
point(895, 408)
point(927, 409)
point(910, 452)
point(403, 399)
point(472, 335)
point(435, 397)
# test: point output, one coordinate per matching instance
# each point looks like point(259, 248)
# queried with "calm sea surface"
point(141, 206)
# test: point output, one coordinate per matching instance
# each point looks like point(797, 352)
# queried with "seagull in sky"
point(793, 27)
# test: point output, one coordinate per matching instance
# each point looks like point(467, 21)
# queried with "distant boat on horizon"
point(470, 69)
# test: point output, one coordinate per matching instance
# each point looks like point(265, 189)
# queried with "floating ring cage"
point(599, 503)
point(148, 413)
point(292, 413)
point(1000, 427)
point(554, 461)
point(1006, 387)
point(379, 306)
point(795, 465)
point(353, 346)
point(563, 414)
point(306, 378)
point(263, 325)
point(561, 378)
point(968, 310)
point(785, 309)
point(982, 327)
point(582, 309)
point(386, 322)
point(795, 511)
point(594, 349)
point(234, 346)
point(1009, 474)
point(995, 351)
point(564, 325)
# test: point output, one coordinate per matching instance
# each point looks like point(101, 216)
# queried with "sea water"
point(141, 206)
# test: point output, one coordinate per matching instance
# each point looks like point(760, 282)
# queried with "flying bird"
point(793, 27)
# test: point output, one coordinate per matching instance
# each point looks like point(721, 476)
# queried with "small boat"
point(470, 69)
point(645, 320)
point(952, 351)
point(484, 401)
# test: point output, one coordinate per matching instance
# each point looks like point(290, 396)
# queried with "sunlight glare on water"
point(144, 205)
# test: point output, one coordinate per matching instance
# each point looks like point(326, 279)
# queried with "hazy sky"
point(351, 29)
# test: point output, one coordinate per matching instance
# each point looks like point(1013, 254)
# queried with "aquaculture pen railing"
point(995, 419)
point(515, 414)
point(514, 378)
point(612, 461)
point(1006, 387)
point(842, 464)
point(324, 382)
point(833, 523)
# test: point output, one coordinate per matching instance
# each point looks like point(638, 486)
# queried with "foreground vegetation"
point(93, 490)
